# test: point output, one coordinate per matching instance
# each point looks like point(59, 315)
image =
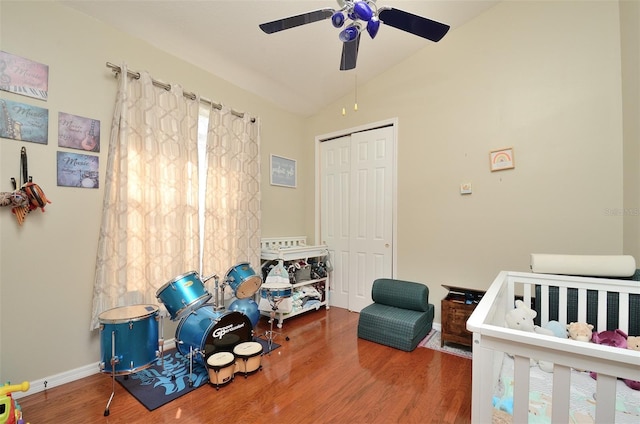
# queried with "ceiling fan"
point(356, 16)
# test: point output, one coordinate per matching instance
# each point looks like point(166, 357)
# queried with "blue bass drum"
point(243, 280)
point(183, 294)
point(248, 307)
point(206, 331)
point(129, 336)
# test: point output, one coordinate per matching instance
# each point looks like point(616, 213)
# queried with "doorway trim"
point(393, 122)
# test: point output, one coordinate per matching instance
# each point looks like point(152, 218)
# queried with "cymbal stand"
point(114, 361)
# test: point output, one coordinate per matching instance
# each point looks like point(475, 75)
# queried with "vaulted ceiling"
point(297, 69)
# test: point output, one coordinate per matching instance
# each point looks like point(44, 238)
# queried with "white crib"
point(491, 339)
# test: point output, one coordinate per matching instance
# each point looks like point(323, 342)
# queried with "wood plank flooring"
point(323, 374)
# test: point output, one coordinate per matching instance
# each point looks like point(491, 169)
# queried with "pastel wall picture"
point(502, 159)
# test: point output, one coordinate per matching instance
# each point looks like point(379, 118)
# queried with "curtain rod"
point(134, 74)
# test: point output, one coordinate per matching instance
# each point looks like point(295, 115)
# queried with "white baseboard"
point(42, 384)
point(437, 326)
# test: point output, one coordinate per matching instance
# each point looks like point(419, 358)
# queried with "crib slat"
point(623, 314)
point(521, 389)
point(582, 305)
point(561, 392)
point(606, 399)
point(544, 311)
point(526, 293)
point(562, 301)
point(602, 310)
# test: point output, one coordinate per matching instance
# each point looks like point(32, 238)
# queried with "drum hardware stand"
point(114, 361)
point(216, 300)
point(269, 335)
point(192, 353)
point(161, 341)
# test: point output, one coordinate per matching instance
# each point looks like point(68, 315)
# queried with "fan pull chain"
point(355, 102)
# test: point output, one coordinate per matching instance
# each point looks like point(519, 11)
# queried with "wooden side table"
point(456, 308)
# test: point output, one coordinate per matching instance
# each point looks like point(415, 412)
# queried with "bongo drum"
point(248, 357)
point(221, 368)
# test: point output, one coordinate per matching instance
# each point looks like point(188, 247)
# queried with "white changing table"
point(292, 249)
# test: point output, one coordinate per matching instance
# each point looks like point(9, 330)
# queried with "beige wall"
point(47, 265)
point(543, 77)
point(630, 35)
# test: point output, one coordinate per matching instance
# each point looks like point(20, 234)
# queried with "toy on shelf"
point(10, 412)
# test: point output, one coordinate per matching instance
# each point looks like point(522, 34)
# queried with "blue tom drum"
point(183, 294)
point(128, 338)
point(243, 280)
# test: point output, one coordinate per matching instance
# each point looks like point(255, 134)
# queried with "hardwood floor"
point(323, 374)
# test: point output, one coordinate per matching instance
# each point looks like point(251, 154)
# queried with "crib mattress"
point(582, 401)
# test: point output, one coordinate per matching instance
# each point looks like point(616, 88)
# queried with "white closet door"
point(335, 204)
point(356, 212)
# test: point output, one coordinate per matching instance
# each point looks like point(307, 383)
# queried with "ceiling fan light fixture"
point(373, 26)
point(337, 19)
point(350, 33)
point(362, 10)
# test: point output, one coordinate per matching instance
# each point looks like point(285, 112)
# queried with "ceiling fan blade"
point(294, 21)
point(414, 24)
point(349, 54)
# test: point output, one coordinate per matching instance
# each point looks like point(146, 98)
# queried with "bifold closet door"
point(356, 182)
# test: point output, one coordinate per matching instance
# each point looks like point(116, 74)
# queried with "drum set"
point(219, 339)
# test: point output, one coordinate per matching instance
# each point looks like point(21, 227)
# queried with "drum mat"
point(160, 384)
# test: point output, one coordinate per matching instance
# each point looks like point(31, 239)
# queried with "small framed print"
point(283, 172)
point(502, 159)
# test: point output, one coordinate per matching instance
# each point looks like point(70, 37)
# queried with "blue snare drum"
point(206, 331)
point(275, 291)
point(243, 280)
point(183, 294)
point(129, 336)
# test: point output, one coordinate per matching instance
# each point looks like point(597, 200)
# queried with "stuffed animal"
point(614, 338)
point(521, 318)
point(580, 331)
point(558, 329)
point(633, 343)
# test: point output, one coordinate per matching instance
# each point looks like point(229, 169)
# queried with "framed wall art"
point(23, 76)
point(23, 122)
point(502, 159)
point(78, 170)
point(283, 172)
point(77, 132)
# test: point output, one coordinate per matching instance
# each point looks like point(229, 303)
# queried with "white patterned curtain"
point(149, 231)
point(232, 201)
